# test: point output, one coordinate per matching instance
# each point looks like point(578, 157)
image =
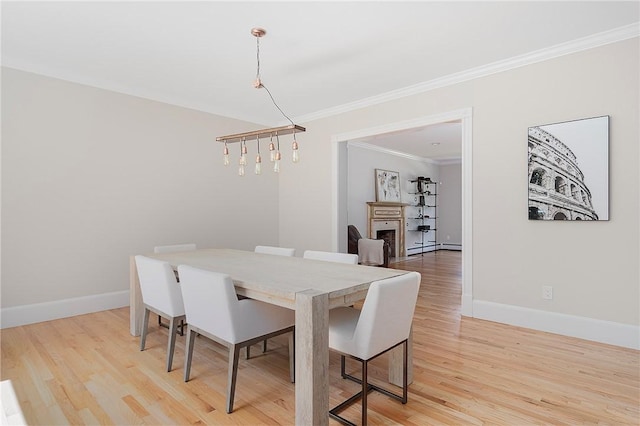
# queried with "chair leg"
point(173, 329)
point(367, 387)
point(264, 346)
point(145, 327)
point(405, 372)
point(191, 338)
point(292, 356)
point(248, 349)
point(234, 356)
point(365, 391)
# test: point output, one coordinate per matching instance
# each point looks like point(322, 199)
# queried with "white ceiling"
point(316, 56)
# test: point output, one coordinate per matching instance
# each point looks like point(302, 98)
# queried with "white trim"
point(365, 145)
point(467, 215)
point(466, 309)
point(465, 115)
point(613, 333)
point(437, 161)
point(47, 311)
point(403, 125)
point(574, 46)
point(454, 247)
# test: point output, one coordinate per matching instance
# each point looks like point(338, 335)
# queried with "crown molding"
point(589, 42)
point(365, 145)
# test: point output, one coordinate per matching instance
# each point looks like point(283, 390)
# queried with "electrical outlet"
point(547, 292)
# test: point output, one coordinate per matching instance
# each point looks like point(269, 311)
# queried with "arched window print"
point(574, 192)
point(536, 177)
point(559, 185)
point(559, 216)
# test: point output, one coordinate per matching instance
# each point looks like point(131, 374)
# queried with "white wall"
point(90, 177)
point(450, 206)
point(361, 184)
point(593, 267)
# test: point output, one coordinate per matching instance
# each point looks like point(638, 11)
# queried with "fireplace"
point(386, 221)
point(389, 235)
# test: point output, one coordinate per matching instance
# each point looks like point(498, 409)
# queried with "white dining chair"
point(214, 311)
point(383, 324)
point(160, 294)
point(279, 251)
point(174, 248)
point(329, 256)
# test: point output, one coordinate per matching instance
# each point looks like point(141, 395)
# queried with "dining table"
point(310, 287)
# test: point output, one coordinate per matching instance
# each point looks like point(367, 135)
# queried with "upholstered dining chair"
point(331, 256)
point(280, 251)
point(383, 324)
point(160, 294)
point(214, 311)
point(355, 241)
point(174, 248)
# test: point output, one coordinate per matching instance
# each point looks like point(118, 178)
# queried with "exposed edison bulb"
point(243, 157)
point(276, 162)
point(296, 153)
point(258, 164)
point(272, 152)
point(225, 155)
point(241, 170)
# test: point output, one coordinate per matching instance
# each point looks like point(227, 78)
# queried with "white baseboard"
point(445, 246)
point(613, 333)
point(38, 312)
point(466, 309)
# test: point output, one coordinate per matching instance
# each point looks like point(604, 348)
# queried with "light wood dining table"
point(310, 287)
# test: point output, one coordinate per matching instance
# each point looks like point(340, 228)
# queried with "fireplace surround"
point(386, 220)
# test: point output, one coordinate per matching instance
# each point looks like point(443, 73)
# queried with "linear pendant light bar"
point(273, 131)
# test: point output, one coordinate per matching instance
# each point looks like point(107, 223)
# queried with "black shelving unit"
point(423, 217)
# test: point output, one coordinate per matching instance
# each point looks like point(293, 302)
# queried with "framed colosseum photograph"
point(569, 170)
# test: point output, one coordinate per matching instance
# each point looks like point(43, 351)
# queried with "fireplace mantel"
point(387, 216)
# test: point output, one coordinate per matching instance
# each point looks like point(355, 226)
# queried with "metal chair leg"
point(145, 328)
point(191, 338)
point(173, 328)
point(367, 387)
point(365, 391)
point(234, 356)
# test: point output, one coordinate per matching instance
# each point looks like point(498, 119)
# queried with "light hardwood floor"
point(89, 370)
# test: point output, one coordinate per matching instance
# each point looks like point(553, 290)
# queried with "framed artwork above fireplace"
point(387, 186)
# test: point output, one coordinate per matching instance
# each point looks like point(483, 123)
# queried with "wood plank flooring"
point(89, 370)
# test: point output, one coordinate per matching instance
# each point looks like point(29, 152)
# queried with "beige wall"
point(593, 267)
point(450, 205)
point(90, 177)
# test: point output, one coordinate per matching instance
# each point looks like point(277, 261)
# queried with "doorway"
point(340, 194)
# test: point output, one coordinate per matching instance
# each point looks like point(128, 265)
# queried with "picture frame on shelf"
point(387, 186)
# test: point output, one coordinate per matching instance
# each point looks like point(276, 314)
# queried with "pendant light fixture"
point(274, 149)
